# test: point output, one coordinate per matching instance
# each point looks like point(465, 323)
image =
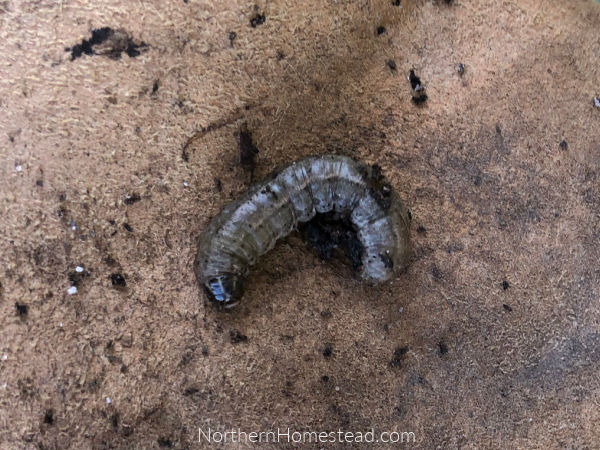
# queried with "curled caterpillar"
point(269, 210)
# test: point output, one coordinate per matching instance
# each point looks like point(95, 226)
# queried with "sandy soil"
point(115, 161)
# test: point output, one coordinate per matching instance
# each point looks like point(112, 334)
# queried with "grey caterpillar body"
point(271, 209)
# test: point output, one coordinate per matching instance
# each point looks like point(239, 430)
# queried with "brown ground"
point(479, 164)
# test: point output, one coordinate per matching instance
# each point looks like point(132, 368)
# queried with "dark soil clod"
point(75, 278)
point(504, 285)
point(258, 19)
point(327, 350)
point(325, 233)
point(49, 417)
point(108, 42)
point(391, 64)
point(442, 348)
point(419, 96)
point(231, 36)
point(164, 442)
point(130, 199)
point(117, 280)
point(235, 337)
point(398, 356)
point(22, 309)
point(247, 149)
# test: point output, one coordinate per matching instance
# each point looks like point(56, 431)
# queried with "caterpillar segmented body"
point(269, 210)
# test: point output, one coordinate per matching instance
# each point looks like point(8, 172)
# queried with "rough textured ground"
point(496, 323)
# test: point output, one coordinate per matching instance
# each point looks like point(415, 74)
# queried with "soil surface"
point(120, 132)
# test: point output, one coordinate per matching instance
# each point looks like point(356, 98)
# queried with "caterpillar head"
point(225, 289)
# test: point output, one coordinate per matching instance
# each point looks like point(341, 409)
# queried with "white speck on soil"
point(72, 290)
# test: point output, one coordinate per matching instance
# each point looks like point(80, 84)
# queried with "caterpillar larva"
point(269, 210)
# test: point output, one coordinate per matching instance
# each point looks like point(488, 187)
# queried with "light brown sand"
point(479, 165)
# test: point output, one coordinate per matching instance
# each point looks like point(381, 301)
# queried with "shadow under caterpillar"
point(271, 209)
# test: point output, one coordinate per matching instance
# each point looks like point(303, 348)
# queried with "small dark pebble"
point(328, 350)
point(421, 229)
point(380, 30)
point(258, 19)
point(442, 348)
point(127, 227)
point(460, 68)
point(563, 145)
point(280, 55)
point(325, 378)
point(391, 64)
point(117, 280)
point(505, 285)
point(507, 308)
point(39, 183)
point(396, 3)
point(21, 308)
point(49, 417)
point(235, 337)
point(155, 87)
point(204, 350)
point(398, 356)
